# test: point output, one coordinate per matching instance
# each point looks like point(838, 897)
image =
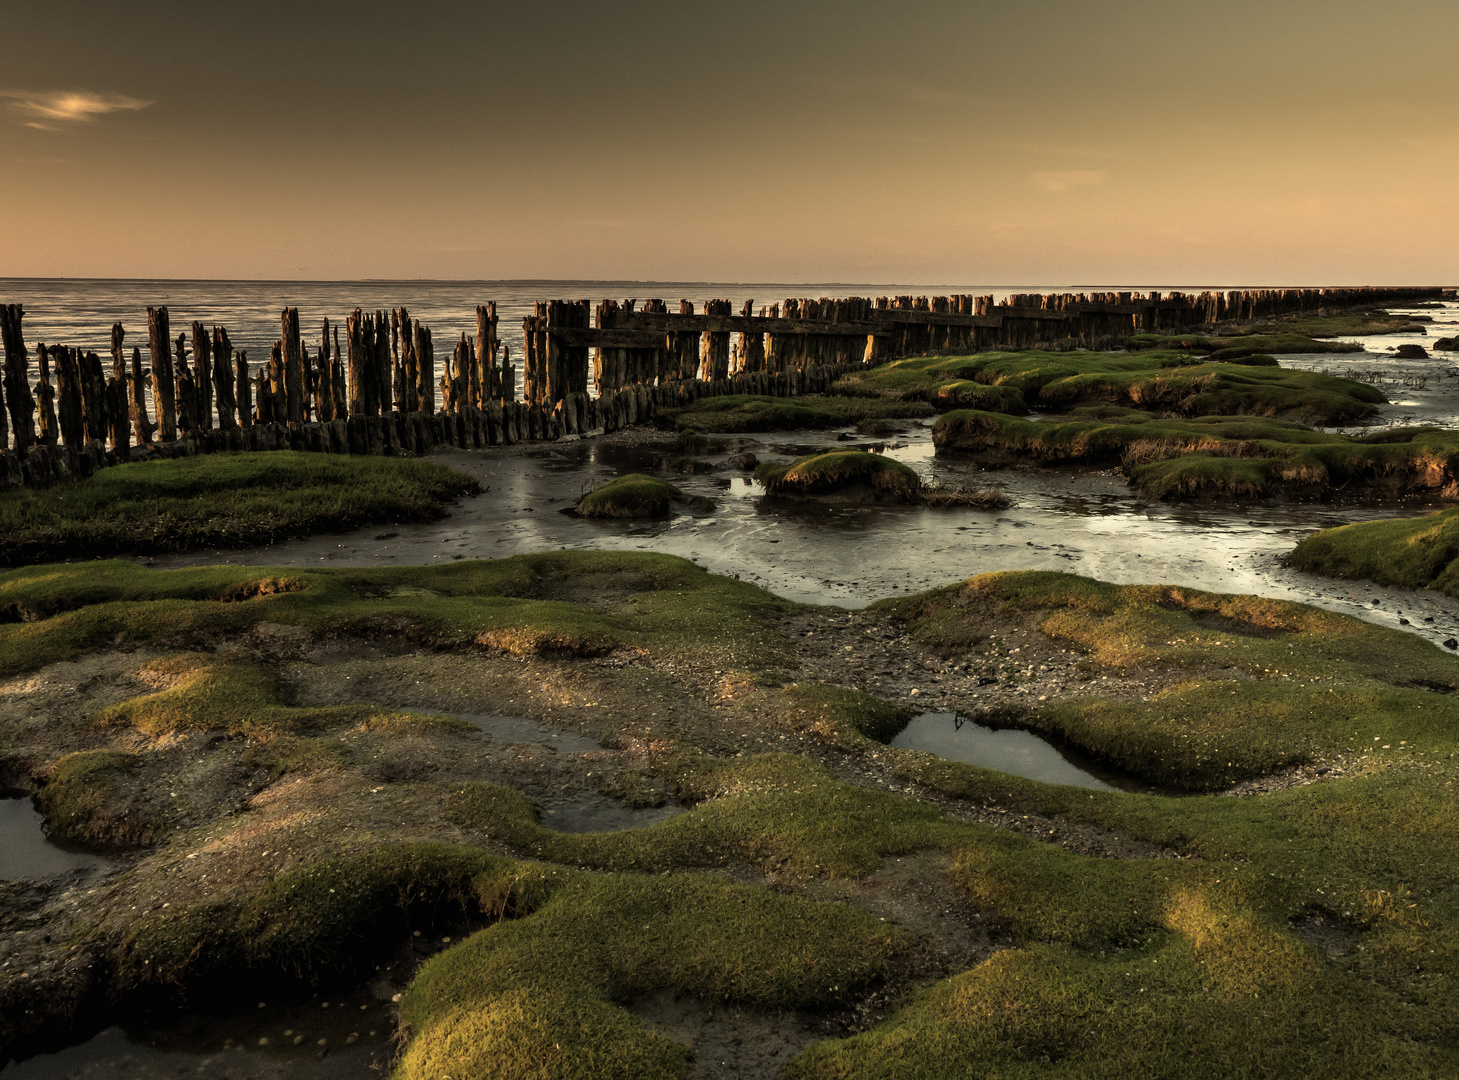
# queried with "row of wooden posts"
point(377, 390)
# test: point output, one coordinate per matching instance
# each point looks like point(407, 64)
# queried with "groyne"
point(584, 368)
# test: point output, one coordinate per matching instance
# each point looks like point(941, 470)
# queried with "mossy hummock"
point(1413, 553)
point(1216, 456)
point(1165, 381)
point(220, 500)
point(842, 472)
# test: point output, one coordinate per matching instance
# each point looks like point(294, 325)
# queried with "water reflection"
point(26, 849)
point(1021, 753)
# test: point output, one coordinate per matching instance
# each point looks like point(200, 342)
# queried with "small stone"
point(263, 1041)
point(1451, 644)
point(298, 1040)
point(395, 997)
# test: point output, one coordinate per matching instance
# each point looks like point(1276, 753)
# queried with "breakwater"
point(376, 387)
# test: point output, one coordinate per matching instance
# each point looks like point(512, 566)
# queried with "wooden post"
point(45, 399)
point(187, 397)
point(292, 368)
point(425, 370)
point(339, 393)
point(164, 388)
point(118, 353)
point(93, 398)
point(18, 398)
point(242, 387)
point(203, 375)
point(137, 399)
point(324, 381)
point(223, 380)
point(486, 353)
point(118, 433)
point(68, 396)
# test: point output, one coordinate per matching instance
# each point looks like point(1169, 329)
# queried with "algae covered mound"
point(841, 472)
point(1167, 381)
point(753, 412)
point(632, 496)
point(1413, 553)
point(1216, 456)
point(1278, 341)
point(1281, 899)
point(220, 500)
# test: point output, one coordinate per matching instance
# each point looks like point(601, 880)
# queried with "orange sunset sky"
point(1059, 141)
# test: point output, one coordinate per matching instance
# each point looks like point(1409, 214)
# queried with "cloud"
point(1063, 181)
point(48, 109)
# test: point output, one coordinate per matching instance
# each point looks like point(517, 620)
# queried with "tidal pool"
point(1020, 753)
point(27, 853)
point(592, 811)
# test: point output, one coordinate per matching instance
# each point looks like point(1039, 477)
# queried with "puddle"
point(347, 1038)
point(28, 853)
point(1020, 753)
point(592, 811)
point(517, 729)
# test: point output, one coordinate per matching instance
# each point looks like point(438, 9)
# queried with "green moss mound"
point(520, 606)
point(219, 500)
point(1217, 456)
point(541, 996)
point(1276, 342)
point(632, 496)
point(1413, 553)
point(1167, 381)
point(840, 472)
point(811, 412)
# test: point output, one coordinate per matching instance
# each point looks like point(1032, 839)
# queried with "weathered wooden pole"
point(137, 399)
point(93, 398)
point(47, 431)
point(18, 398)
point(338, 391)
point(187, 391)
point(242, 387)
point(203, 375)
point(118, 352)
point(425, 370)
point(164, 387)
point(292, 368)
point(68, 395)
point(223, 380)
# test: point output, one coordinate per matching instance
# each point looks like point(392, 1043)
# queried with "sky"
point(1038, 142)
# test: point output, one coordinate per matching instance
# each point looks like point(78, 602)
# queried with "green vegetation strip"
point(59, 612)
point(839, 471)
point(1217, 456)
point(750, 412)
point(1167, 382)
point(1278, 341)
point(1413, 553)
point(219, 500)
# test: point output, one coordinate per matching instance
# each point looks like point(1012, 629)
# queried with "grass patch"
point(752, 412)
point(517, 605)
point(1413, 553)
point(857, 474)
point(219, 500)
point(841, 471)
point(1277, 342)
point(85, 800)
point(1219, 456)
point(1330, 326)
point(1165, 381)
point(636, 496)
point(539, 996)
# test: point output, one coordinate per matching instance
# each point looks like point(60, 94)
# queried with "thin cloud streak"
point(49, 109)
point(1064, 180)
